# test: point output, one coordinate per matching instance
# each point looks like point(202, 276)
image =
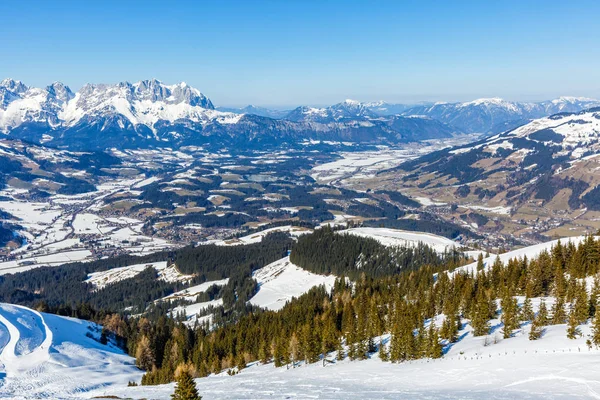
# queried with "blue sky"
point(284, 53)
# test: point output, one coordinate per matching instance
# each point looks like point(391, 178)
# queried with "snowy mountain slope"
point(44, 355)
point(192, 292)
point(496, 115)
point(348, 109)
point(397, 237)
point(280, 281)
point(550, 163)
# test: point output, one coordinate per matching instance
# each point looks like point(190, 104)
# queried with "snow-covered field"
point(166, 273)
point(192, 292)
point(280, 281)
point(364, 164)
point(68, 228)
point(257, 237)
point(47, 356)
point(396, 237)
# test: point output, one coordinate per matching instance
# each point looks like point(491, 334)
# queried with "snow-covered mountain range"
point(151, 113)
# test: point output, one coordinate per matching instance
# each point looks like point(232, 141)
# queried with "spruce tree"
point(558, 311)
point(480, 264)
point(480, 320)
point(543, 313)
point(527, 310)
point(596, 328)
point(572, 328)
point(434, 347)
point(339, 348)
point(185, 389)
point(536, 328)
point(582, 305)
point(383, 353)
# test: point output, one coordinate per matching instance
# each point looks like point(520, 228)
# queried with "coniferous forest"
point(367, 303)
point(381, 292)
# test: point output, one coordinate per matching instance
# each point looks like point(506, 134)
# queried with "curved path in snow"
point(26, 338)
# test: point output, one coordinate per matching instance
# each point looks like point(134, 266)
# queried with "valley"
point(235, 246)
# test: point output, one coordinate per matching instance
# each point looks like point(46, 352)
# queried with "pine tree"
point(383, 353)
point(542, 314)
point(596, 328)
point(434, 347)
point(185, 389)
point(558, 311)
point(572, 328)
point(339, 348)
point(536, 328)
point(527, 310)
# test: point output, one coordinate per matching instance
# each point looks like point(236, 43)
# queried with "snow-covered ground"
point(192, 292)
point(69, 228)
point(280, 281)
point(166, 273)
point(396, 237)
point(47, 356)
point(553, 367)
point(257, 237)
point(364, 164)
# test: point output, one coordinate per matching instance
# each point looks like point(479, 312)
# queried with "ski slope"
point(48, 356)
point(281, 280)
point(397, 237)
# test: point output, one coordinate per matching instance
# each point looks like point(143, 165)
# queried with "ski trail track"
point(26, 337)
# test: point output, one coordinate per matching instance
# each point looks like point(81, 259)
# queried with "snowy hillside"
point(257, 237)
point(47, 356)
point(490, 367)
point(278, 282)
point(165, 273)
point(540, 178)
point(396, 237)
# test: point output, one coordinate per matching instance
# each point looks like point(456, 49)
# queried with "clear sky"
point(287, 52)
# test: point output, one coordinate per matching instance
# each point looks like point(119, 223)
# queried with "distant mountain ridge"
point(495, 115)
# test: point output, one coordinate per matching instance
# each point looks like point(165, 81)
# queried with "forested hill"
point(419, 317)
point(65, 286)
point(327, 251)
